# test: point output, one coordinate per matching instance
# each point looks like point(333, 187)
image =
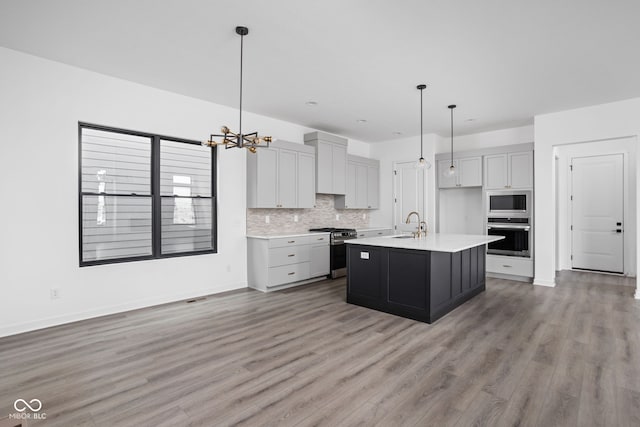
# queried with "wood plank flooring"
point(515, 355)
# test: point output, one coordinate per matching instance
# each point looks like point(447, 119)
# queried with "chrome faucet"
point(417, 234)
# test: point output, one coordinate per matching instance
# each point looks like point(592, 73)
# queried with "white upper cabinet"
point(363, 184)
point(509, 170)
point(468, 173)
point(281, 176)
point(373, 186)
point(306, 180)
point(521, 169)
point(287, 179)
point(265, 166)
point(496, 172)
point(331, 162)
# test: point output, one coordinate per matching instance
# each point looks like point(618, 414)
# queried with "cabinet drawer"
point(283, 242)
point(510, 265)
point(289, 255)
point(288, 274)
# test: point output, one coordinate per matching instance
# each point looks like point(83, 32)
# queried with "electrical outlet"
point(55, 293)
point(267, 220)
point(364, 216)
point(337, 217)
point(295, 218)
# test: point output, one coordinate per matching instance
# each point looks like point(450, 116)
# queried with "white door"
point(597, 213)
point(409, 195)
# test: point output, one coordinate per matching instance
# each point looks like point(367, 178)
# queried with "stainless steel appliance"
point(337, 248)
point(512, 204)
point(517, 236)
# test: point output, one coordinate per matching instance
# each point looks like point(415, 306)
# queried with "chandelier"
point(250, 141)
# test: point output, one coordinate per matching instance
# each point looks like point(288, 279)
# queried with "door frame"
point(394, 182)
point(562, 182)
point(625, 209)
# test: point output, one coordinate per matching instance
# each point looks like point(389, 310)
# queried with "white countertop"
point(433, 242)
point(282, 235)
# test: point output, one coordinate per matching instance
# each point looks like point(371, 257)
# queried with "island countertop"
point(432, 242)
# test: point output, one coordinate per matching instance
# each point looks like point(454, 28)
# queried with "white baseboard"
point(543, 282)
point(18, 328)
point(523, 279)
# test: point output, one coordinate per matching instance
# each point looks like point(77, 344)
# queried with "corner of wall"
point(543, 282)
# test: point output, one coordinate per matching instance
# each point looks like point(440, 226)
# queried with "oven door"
point(516, 242)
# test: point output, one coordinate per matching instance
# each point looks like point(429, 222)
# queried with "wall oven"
point(517, 236)
point(511, 204)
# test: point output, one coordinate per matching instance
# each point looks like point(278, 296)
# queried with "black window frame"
point(156, 198)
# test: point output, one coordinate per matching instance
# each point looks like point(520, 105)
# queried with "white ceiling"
point(501, 61)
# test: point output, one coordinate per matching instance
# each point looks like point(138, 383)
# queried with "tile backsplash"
point(323, 215)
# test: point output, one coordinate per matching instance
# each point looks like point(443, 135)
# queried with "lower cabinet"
point(510, 266)
point(417, 284)
point(282, 262)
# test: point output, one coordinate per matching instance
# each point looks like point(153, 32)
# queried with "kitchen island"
point(421, 279)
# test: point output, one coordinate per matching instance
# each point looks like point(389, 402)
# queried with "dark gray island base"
point(422, 285)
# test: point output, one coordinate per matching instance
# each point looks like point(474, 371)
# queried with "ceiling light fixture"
point(452, 169)
point(422, 163)
point(249, 141)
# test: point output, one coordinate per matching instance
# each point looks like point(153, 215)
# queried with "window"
point(144, 196)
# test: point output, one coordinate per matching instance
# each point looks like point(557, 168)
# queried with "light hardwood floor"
point(515, 355)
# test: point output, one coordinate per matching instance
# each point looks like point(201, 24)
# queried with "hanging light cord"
point(241, 55)
point(421, 124)
point(451, 137)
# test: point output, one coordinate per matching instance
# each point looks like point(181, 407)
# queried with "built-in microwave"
point(513, 204)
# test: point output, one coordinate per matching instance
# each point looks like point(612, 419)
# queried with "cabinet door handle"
point(505, 265)
point(291, 241)
point(291, 274)
point(360, 235)
point(380, 232)
point(321, 238)
point(290, 255)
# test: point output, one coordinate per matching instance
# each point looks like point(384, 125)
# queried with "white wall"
point(42, 102)
point(596, 123)
point(402, 150)
point(461, 211)
point(497, 138)
point(625, 146)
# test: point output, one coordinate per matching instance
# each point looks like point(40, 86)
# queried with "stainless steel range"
point(337, 248)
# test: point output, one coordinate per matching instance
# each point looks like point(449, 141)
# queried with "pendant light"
point(421, 163)
point(249, 141)
point(452, 169)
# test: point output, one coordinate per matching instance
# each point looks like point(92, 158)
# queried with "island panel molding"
point(420, 279)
